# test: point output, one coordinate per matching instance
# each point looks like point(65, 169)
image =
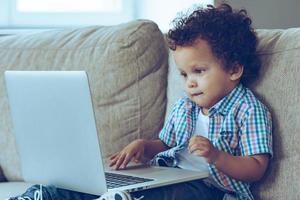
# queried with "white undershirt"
point(190, 161)
point(202, 125)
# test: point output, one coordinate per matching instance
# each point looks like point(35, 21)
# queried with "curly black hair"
point(228, 32)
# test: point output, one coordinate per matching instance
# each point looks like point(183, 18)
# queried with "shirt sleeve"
point(256, 132)
point(168, 132)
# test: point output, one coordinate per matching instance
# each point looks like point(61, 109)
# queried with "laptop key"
point(114, 180)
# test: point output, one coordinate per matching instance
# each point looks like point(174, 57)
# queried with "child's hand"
point(135, 150)
point(201, 146)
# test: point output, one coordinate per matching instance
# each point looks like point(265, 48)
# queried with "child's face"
point(206, 81)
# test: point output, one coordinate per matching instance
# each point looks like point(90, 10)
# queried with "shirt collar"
point(225, 104)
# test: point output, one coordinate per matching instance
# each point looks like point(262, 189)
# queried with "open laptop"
point(56, 136)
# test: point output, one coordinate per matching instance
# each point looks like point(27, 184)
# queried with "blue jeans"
point(181, 191)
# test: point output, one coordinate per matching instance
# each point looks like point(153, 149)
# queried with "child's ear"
point(236, 72)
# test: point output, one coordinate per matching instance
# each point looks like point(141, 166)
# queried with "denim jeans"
point(50, 192)
point(181, 191)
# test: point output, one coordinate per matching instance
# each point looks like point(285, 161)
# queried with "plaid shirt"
point(239, 124)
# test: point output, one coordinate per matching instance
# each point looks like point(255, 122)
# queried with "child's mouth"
point(197, 94)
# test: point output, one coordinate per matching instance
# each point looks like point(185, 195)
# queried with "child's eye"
point(199, 71)
point(183, 74)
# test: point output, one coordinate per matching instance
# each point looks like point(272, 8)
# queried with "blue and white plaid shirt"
point(239, 124)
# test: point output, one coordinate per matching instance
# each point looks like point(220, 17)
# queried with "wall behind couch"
point(270, 14)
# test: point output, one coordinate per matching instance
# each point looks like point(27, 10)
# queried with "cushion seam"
point(275, 52)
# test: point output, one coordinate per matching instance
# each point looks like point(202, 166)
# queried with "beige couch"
point(133, 86)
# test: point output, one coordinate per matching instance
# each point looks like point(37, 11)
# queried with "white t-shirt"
point(188, 160)
point(202, 125)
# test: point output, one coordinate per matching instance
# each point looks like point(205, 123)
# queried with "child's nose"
point(191, 83)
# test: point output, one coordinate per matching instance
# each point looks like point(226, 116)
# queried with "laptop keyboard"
point(118, 180)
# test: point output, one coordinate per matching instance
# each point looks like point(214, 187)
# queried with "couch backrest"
point(279, 88)
point(127, 65)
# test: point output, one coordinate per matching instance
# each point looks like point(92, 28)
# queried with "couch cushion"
point(13, 189)
point(126, 64)
point(278, 87)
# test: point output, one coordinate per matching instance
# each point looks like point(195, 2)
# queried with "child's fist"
point(201, 146)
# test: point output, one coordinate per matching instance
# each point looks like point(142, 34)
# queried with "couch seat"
point(10, 189)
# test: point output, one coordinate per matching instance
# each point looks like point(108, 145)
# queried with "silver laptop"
point(56, 136)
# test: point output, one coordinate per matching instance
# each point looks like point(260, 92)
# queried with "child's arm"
point(244, 168)
point(140, 150)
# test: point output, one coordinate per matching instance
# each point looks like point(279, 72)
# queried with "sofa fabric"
point(12, 189)
point(126, 65)
point(278, 87)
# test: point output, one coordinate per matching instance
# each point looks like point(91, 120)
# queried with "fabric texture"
point(11, 189)
point(183, 191)
point(278, 88)
point(187, 160)
point(239, 125)
point(126, 65)
point(50, 192)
